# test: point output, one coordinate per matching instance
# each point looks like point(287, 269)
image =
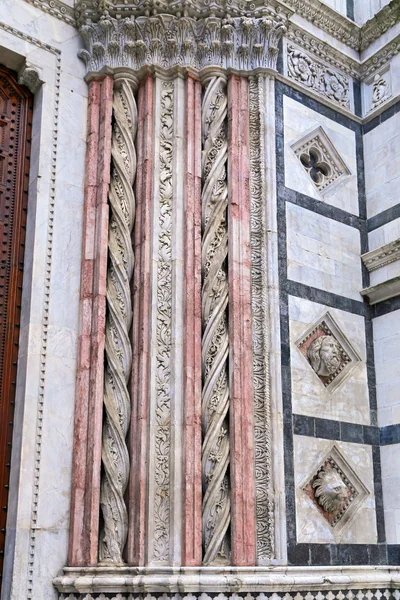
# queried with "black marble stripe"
point(390, 435)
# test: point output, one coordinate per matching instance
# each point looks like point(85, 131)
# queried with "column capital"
point(168, 42)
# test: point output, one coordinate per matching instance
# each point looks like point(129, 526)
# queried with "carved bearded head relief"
point(324, 355)
point(330, 490)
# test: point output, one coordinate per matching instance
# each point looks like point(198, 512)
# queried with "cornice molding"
point(323, 50)
point(386, 18)
point(316, 12)
point(385, 255)
point(382, 291)
point(380, 58)
point(224, 579)
point(167, 42)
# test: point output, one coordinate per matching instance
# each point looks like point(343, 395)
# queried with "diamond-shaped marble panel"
point(328, 352)
point(335, 489)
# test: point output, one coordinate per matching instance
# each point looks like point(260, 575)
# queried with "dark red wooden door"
point(15, 133)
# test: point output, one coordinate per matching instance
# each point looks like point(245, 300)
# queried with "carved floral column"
point(187, 356)
point(118, 349)
point(215, 340)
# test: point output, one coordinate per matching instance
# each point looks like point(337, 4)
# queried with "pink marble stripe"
point(243, 524)
point(83, 539)
point(141, 328)
point(192, 549)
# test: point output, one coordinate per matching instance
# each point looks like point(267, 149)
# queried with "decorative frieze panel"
point(166, 42)
point(320, 159)
point(314, 75)
point(378, 89)
point(335, 489)
point(328, 352)
point(92, 10)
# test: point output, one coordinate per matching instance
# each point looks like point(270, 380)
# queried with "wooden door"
point(15, 134)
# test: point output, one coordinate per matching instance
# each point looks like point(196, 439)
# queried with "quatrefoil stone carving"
point(320, 160)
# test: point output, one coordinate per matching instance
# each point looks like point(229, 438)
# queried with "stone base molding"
point(298, 583)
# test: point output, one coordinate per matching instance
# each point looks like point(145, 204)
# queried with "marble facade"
point(181, 250)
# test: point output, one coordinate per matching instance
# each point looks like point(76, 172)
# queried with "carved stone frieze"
point(335, 489)
point(215, 340)
point(260, 318)
point(380, 58)
point(118, 350)
point(166, 41)
point(328, 352)
point(198, 9)
point(314, 75)
point(320, 159)
point(162, 443)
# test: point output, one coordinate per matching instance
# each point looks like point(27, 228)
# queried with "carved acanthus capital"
point(167, 41)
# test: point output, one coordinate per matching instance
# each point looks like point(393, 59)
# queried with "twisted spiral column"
point(118, 350)
point(215, 340)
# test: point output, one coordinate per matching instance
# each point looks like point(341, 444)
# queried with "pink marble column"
point(141, 327)
point(192, 548)
point(243, 530)
point(85, 502)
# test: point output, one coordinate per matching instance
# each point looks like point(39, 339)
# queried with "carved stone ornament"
point(312, 74)
point(215, 341)
point(118, 350)
point(167, 41)
point(30, 77)
point(263, 445)
point(382, 256)
point(328, 352)
point(335, 489)
point(378, 88)
point(321, 161)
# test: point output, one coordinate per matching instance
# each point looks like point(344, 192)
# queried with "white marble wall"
point(387, 365)
point(323, 253)
point(366, 9)
point(312, 527)
point(339, 5)
point(382, 166)
point(38, 518)
point(391, 486)
point(299, 120)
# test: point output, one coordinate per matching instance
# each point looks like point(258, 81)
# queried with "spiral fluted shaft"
point(215, 340)
point(118, 350)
